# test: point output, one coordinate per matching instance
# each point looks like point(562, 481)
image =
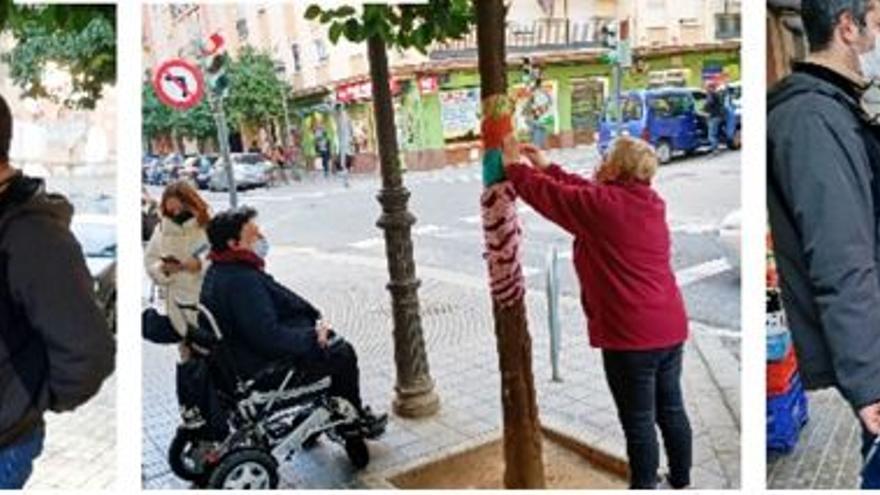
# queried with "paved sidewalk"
point(80, 448)
point(456, 315)
point(827, 454)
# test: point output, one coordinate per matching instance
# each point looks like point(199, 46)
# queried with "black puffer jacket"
point(262, 321)
point(55, 347)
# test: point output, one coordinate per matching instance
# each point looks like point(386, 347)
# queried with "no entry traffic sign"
point(179, 84)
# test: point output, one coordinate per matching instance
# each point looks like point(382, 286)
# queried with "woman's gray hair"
point(821, 17)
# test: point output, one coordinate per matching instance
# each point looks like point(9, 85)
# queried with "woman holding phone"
point(175, 260)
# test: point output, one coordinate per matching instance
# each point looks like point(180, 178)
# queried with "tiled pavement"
point(827, 453)
point(80, 448)
point(461, 347)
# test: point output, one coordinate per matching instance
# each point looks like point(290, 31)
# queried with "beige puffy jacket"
point(182, 242)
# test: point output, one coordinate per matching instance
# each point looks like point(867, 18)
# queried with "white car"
point(730, 237)
point(97, 236)
point(250, 170)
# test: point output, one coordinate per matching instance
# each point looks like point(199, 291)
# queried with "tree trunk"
point(414, 387)
point(524, 466)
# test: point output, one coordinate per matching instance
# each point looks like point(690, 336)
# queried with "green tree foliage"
point(81, 40)
point(157, 119)
point(401, 26)
point(254, 89)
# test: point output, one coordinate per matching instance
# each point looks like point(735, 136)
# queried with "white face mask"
point(870, 61)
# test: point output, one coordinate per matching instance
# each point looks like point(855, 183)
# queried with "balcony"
point(545, 35)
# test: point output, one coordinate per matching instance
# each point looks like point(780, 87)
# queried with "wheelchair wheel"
point(357, 451)
point(249, 469)
point(184, 459)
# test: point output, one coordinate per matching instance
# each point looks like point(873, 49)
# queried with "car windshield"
point(98, 240)
point(632, 109)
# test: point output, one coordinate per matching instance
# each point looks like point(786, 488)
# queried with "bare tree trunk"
point(524, 466)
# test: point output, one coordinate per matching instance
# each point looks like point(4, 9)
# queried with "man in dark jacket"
point(824, 205)
point(262, 321)
point(55, 347)
point(715, 110)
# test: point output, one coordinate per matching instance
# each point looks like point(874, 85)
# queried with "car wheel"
point(664, 152)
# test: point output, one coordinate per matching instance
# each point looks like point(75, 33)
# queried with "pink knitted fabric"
point(502, 232)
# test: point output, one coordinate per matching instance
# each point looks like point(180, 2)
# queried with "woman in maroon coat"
point(634, 308)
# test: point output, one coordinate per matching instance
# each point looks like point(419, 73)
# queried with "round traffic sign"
point(179, 84)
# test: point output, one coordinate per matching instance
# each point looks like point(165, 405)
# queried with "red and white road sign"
point(179, 84)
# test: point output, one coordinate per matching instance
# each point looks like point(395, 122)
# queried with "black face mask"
point(182, 217)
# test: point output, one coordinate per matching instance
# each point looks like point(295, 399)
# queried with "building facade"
point(437, 95)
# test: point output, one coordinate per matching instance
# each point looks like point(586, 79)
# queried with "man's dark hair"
point(5, 130)
point(821, 17)
point(226, 226)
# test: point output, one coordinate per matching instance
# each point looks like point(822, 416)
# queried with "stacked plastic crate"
point(786, 401)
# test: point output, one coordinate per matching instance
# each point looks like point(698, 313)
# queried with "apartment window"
point(297, 63)
point(321, 50)
point(242, 28)
point(728, 26)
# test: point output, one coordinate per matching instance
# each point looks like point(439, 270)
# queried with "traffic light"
point(215, 65)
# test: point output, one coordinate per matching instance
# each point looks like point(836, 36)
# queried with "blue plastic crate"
point(786, 416)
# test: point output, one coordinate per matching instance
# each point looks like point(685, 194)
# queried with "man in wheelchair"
point(264, 322)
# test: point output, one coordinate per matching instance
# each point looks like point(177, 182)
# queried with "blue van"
point(670, 119)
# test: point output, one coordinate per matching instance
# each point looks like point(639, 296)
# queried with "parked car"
point(97, 236)
point(249, 169)
point(668, 118)
point(730, 237)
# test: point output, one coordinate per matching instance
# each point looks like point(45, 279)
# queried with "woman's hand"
point(192, 265)
point(323, 329)
point(510, 151)
point(535, 156)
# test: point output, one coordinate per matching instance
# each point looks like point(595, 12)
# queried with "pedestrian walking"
point(715, 115)
point(175, 261)
point(536, 114)
point(322, 148)
point(823, 198)
point(55, 346)
point(344, 138)
point(629, 294)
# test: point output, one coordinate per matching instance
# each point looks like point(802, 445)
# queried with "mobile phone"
point(170, 259)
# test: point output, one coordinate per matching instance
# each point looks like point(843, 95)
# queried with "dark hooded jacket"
point(55, 347)
point(823, 197)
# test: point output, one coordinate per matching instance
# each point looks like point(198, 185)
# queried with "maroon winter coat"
point(621, 255)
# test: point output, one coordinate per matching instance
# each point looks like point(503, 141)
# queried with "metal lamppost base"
point(416, 402)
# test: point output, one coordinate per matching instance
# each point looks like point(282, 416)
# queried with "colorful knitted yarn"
point(502, 233)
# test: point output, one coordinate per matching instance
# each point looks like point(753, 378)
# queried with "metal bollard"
point(553, 311)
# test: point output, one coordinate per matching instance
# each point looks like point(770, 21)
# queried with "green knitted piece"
point(493, 167)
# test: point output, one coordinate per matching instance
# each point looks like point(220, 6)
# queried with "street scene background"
point(322, 225)
point(325, 247)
